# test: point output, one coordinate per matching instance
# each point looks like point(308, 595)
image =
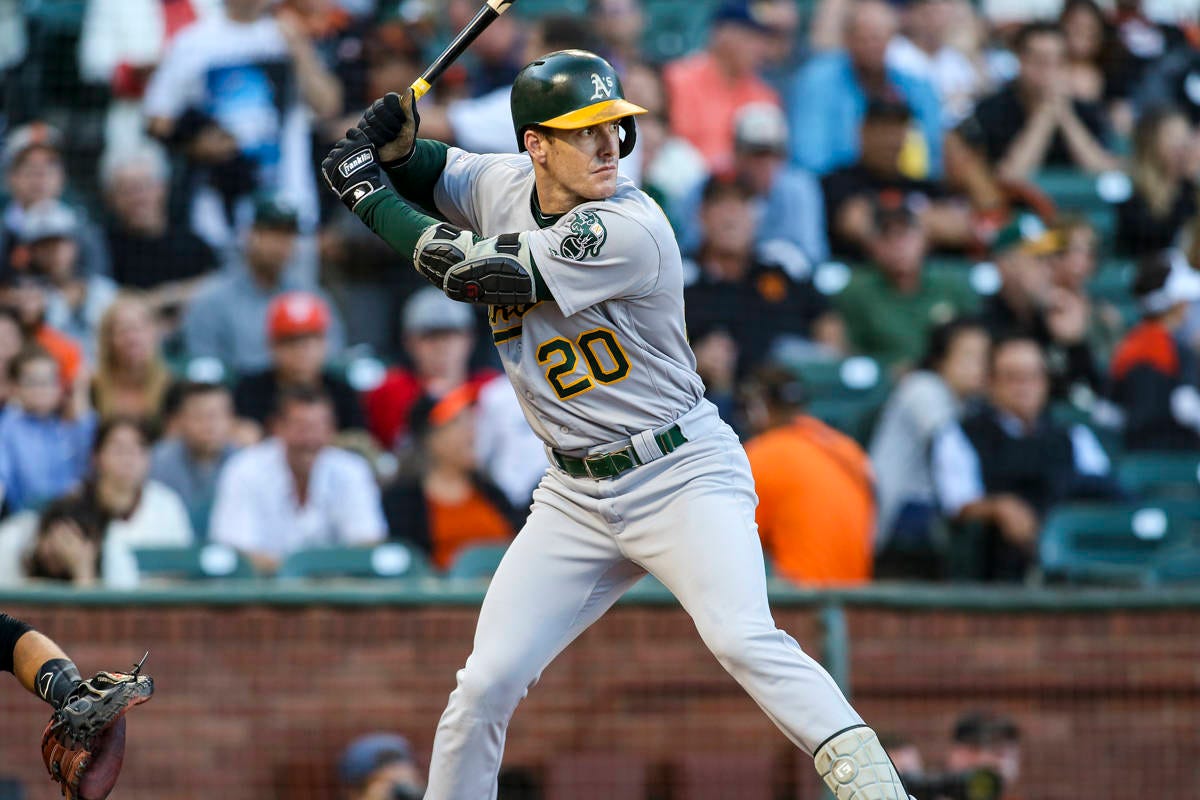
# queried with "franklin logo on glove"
point(356, 162)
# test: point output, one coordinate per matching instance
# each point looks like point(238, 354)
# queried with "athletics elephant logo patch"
point(587, 236)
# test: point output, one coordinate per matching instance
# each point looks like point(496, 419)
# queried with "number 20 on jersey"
point(604, 362)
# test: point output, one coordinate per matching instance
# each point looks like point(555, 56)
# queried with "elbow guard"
point(496, 271)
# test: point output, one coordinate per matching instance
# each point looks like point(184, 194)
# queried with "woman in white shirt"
point(88, 536)
point(953, 372)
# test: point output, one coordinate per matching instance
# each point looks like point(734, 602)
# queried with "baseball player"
point(583, 281)
point(84, 743)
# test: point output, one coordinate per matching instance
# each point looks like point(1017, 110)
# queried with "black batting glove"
point(391, 124)
point(352, 169)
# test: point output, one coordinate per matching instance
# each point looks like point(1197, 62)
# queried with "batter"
point(584, 283)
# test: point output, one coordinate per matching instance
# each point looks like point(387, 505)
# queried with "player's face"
point(584, 162)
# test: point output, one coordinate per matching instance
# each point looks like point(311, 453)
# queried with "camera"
point(976, 784)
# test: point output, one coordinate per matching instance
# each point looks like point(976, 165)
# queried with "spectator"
point(746, 296)
point(28, 295)
point(950, 377)
point(1073, 270)
point(191, 460)
point(35, 173)
point(75, 302)
point(235, 94)
point(1007, 464)
point(297, 324)
point(1033, 122)
point(831, 94)
point(121, 43)
point(785, 42)
point(904, 753)
point(1154, 374)
point(89, 535)
point(295, 490)
point(12, 342)
point(1094, 58)
point(379, 766)
point(1030, 304)
point(816, 501)
point(852, 191)
point(619, 24)
point(148, 251)
point(227, 318)
point(447, 505)
point(985, 740)
point(1164, 195)
point(890, 310)
point(132, 377)
point(1143, 41)
point(44, 438)
point(1169, 80)
point(788, 206)
point(925, 51)
point(720, 80)
point(438, 336)
point(497, 55)
point(508, 452)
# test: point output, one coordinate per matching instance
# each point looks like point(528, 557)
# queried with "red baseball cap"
point(297, 314)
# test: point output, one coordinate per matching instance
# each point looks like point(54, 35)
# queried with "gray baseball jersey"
point(609, 357)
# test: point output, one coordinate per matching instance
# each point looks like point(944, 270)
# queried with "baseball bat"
point(486, 16)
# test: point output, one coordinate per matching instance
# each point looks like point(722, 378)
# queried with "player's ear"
point(536, 143)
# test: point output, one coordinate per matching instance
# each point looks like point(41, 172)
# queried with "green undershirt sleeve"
point(394, 221)
point(417, 177)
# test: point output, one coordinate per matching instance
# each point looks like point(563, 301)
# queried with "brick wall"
point(255, 702)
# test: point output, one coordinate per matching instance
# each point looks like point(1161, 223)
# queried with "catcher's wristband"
point(56, 679)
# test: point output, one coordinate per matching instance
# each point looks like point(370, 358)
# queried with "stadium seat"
point(724, 776)
point(595, 776)
point(1161, 475)
point(387, 560)
point(193, 563)
point(853, 377)
point(477, 562)
point(1097, 543)
point(1177, 565)
point(853, 416)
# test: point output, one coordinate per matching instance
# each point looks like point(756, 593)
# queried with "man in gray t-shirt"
point(584, 282)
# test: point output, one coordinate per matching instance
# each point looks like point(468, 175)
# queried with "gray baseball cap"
point(761, 127)
point(49, 220)
point(430, 310)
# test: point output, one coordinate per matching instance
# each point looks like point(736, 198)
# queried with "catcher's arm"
point(39, 664)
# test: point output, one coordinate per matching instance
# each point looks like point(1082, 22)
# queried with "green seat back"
point(480, 561)
point(1161, 475)
point(386, 560)
point(194, 563)
point(1084, 542)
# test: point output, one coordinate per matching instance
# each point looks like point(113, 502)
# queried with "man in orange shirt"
point(706, 90)
point(816, 500)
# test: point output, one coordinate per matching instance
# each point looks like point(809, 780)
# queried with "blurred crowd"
point(941, 272)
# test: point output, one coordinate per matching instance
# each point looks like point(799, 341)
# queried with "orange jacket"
point(816, 502)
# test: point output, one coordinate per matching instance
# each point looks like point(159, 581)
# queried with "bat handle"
point(420, 87)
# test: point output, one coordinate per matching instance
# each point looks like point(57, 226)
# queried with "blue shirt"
point(42, 457)
point(827, 104)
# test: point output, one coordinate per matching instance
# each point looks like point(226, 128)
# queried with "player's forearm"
point(43, 668)
point(416, 178)
point(398, 224)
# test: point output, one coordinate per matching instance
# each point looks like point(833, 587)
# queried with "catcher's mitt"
point(84, 742)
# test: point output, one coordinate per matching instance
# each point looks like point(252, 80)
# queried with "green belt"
point(610, 465)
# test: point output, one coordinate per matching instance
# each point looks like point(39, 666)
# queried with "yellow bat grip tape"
point(420, 88)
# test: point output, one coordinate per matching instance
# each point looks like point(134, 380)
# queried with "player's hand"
point(391, 124)
point(352, 169)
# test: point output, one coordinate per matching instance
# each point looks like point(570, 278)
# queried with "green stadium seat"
point(387, 560)
point(1161, 475)
point(193, 563)
point(1178, 565)
point(1112, 281)
point(480, 561)
point(1097, 543)
point(853, 416)
point(854, 377)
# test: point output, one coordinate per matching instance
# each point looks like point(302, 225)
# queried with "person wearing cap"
point(444, 504)
point(438, 336)
point(1033, 122)
point(1155, 376)
point(890, 307)
point(34, 174)
point(379, 766)
point(76, 302)
point(788, 203)
point(831, 91)
point(986, 740)
point(1029, 303)
point(297, 326)
point(816, 493)
point(236, 94)
point(890, 164)
point(296, 490)
point(706, 90)
point(227, 318)
point(28, 295)
point(999, 471)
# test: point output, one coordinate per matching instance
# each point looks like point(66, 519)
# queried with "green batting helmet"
point(569, 90)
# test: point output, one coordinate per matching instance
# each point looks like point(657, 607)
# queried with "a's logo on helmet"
point(587, 236)
point(604, 87)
